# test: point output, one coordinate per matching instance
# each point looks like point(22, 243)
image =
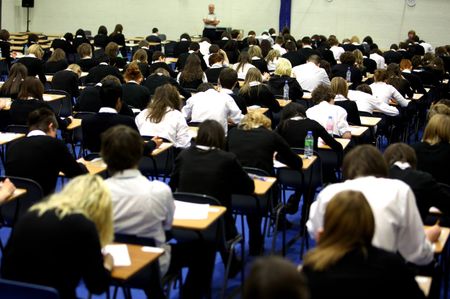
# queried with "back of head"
point(110, 92)
point(155, 30)
point(31, 87)
point(339, 86)
point(205, 86)
point(75, 68)
point(255, 51)
point(17, 73)
point(157, 55)
point(141, 56)
point(121, 148)
point(228, 78)
point(348, 225)
point(380, 75)
point(133, 72)
point(80, 33)
point(194, 46)
point(185, 37)
point(364, 88)
point(347, 58)
point(118, 29)
point(214, 48)
point(162, 71)
point(283, 68)
point(4, 35)
point(215, 58)
point(42, 119)
point(322, 93)
point(68, 36)
point(292, 109)
point(314, 59)
point(393, 70)
point(306, 40)
point(274, 277)
point(400, 152)
point(254, 120)
point(364, 160)
point(87, 195)
point(394, 47)
point(437, 130)
point(112, 49)
point(165, 97)
point(36, 50)
point(405, 64)
point(211, 133)
point(290, 46)
point(57, 55)
point(102, 30)
point(84, 50)
point(438, 108)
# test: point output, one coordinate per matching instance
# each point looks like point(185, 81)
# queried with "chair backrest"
point(16, 208)
point(64, 106)
point(22, 129)
point(10, 289)
point(134, 239)
point(78, 132)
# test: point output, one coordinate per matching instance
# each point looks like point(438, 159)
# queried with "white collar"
point(254, 83)
point(127, 174)
point(297, 118)
point(255, 58)
point(107, 110)
point(36, 133)
point(205, 148)
point(307, 46)
point(103, 63)
point(216, 65)
point(406, 71)
point(191, 51)
point(225, 38)
point(340, 97)
point(132, 81)
point(30, 55)
point(402, 165)
point(226, 90)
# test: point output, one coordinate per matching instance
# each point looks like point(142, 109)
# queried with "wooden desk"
point(263, 184)
point(94, 167)
point(53, 97)
point(139, 259)
point(18, 38)
point(283, 102)
point(162, 148)
point(8, 137)
point(135, 39)
point(170, 60)
point(17, 48)
point(131, 45)
point(424, 283)
point(76, 123)
point(213, 214)
point(261, 110)
point(307, 163)
point(343, 141)
point(417, 96)
point(369, 121)
point(307, 96)
point(440, 244)
point(17, 193)
point(358, 130)
point(18, 42)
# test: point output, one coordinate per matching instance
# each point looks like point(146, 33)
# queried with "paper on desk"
point(152, 249)
point(119, 253)
point(190, 211)
point(278, 164)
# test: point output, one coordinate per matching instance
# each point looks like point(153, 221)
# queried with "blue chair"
point(10, 289)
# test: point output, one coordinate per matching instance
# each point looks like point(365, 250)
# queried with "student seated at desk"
point(160, 77)
point(273, 277)
point(323, 96)
point(86, 62)
point(163, 118)
point(385, 92)
point(255, 145)
point(30, 98)
point(7, 189)
point(257, 59)
point(399, 226)
point(345, 264)
point(11, 87)
point(5, 45)
point(141, 58)
point(41, 156)
point(68, 80)
point(101, 39)
point(79, 39)
point(396, 79)
point(57, 62)
point(33, 62)
point(282, 75)
point(228, 81)
point(107, 117)
point(205, 168)
point(402, 161)
point(112, 51)
point(216, 62)
point(368, 104)
point(146, 209)
point(159, 61)
point(208, 103)
point(103, 69)
point(192, 74)
point(58, 241)
point(133, 93)
point(340, 88)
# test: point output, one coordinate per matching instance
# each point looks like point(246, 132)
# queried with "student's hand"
point(7, 189)
point(158, 141)
point(266, 76)
point(14, 54)
point(108, 262)
point(433, 233)
point(347, 135)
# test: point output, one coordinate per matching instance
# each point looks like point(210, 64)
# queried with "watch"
point(411, 3)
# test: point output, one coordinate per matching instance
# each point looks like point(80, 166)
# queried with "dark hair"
point(194, 46)
point(380, 75)
point(121, 148)
point(347, 58)
point(215, 58)
point(322, 93)
point(84, 50)
point(80, 32)
point(205, 86)
point(272, 31)
point(102, 30)
point(68, 36)
point(185, 36)
point(192, 69)
point(400, 152)
point(33, 38)
point(265, 46)
point(17, 73)
point(166, 96)
point(368, 39)
point(4, 34)
point(110, 92)
point(31, 87)
point(157, 54)
point(290, 46)
point(234, 33)
point(57, 55)
point(228, 78)
point(214, 48)
point(251, 40)
point(292, 110)
point(211, 133)
point(364, 160)
point(41, 118)
point(306, 40)
point(394, 47)
point(273, 277)
point(155, 30)
point(364, 88)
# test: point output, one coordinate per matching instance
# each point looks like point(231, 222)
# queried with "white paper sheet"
point(119, 253)
point(190, 211)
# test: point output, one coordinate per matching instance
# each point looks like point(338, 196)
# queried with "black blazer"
point(213, 74)
point(34, 66)
point(68, 81)
point(340, 70)
point(434, 159)
point(97, 73)
point(262, 96)
point(5, 46)
point(295, 58)
point(392, 57)
point(415, 82)
point(41, 158)
point(155, 81)
point(101, 40)
point(182, 61)
point(352, 111)
point(87, 63)
point(64, 45)
point(55, 66)
point(276, 84)
point(135, 95)
point(306, 52)
point(156, 65)
point(181, 47)
point(261, 65)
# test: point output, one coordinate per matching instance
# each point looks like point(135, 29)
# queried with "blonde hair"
point(87, 195)
point(141, 55)
point(438, 108)
point(255, 51)
point(272, 55)
point(75, 68)
point(36, 50)
point(255, 119)
point(253, 74)
point(348, 224)
point(339, 86)
point(359, 58)
point(284, 67)
point(437, 130)
point(355, 39)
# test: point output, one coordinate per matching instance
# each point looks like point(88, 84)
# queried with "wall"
point(386, 21)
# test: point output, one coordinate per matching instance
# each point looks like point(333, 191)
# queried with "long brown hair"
point(348, 224)
point(57, 55)
point(133, 72)
point(166, 96)
point(253, 74)
point(192, 69)
point(17, 74)
point(31, 87)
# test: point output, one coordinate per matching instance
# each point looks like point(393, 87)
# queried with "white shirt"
point(36, 133)
point(242, 72)
point(427, 47)
point(280, 49)
point(368, 103)
point(379, 60)
point(323, 110)
point(272, 65)
point(172, 126)
point(309, 76)
point(107, 110)
point(142, 208)
point(398, 226)
point(337, 52)
point(210, 17)
point(212, 105)
point(384, 92)
point(204, 47)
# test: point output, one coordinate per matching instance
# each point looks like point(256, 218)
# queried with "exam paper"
point(190, 211)
point(119, 253)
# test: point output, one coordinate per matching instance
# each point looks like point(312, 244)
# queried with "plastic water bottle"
point(348, 75)
point(309, 145)
point(1, 54)
point(330, 126)
point(286, 90)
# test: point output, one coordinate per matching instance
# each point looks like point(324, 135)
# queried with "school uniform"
point(340, 70)
point(242, 71)
point(240, 102)
point(87, 63)
point(295, 58)
point(158, 64)
point(154, 81)
point(434, 159)
point(68, 81)
point(212, 73)
point(194, 84)
point(260, 64)
point(368, 103)
point(309, 76)
point(51, 67)
point(135, 95)
point(322, 111)
point(350, 107)
point(34, 66)
point(385, 92)
point(97, 73)
point(276, 84)
point(101, 41)
point(261, 95)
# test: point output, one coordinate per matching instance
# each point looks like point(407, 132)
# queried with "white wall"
point(387, 21)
